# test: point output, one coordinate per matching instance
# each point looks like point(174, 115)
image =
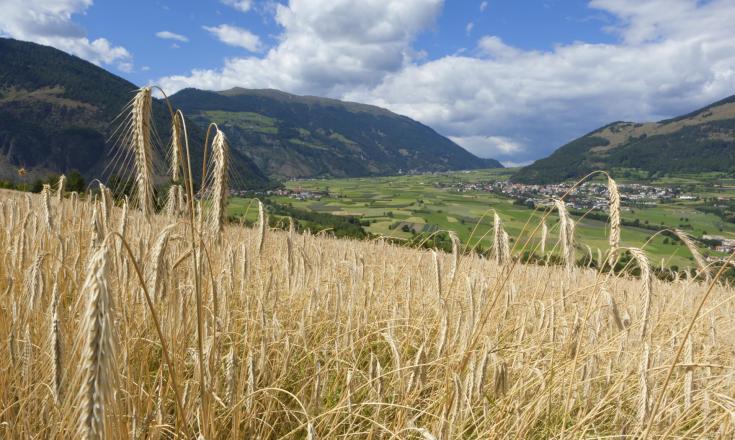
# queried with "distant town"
point(590, 195)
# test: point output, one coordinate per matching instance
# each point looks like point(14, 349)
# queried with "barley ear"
point(689, 243)
point(614, 202)
point(566, 233)
point(646, 279)
point(220, 152)
point(46, 194)
point(544, 234)
point(142, 147)
point(61, 188)
point(99, 350)
point(176, 145)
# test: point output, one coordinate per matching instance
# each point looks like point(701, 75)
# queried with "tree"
point(75, 182)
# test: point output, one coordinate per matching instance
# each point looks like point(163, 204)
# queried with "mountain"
point(701, 141)
point(291, 136)
point(57, 113)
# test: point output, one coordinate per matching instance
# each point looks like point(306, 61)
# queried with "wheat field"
point(117, 322)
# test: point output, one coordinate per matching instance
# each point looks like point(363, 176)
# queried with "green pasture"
point(390, 203)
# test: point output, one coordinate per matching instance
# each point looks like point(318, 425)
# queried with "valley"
point(409, 208)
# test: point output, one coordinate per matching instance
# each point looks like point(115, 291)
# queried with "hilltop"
point(700, 141)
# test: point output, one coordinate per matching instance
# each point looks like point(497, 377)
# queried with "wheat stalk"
point(644, 398)
point(55, 345)
point(262, 226)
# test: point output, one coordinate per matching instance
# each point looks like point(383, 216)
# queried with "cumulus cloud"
point(483, 6)
point(50, 23)
point(488, 146)
point(327, 47)
point(670, 57)
point(493, 46)
point(236, 36)
point(166, 35)
point(469, 27)
point(240, 5)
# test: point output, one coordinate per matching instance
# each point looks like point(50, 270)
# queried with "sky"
point(511, 80)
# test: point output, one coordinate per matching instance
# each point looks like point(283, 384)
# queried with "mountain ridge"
point(57, 113)
point(699, 141)
point(52, 121)
point(292, 136)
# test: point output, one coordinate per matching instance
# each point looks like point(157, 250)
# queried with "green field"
point(401, 206)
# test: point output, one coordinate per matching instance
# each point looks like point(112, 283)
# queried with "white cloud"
point(488, 146)
point(166, 35)
point(671, 57)
point(483, 6)
point(327, 47)
point(50, 23)
point(469, 27)
point(125, 67)
point(493, 46)
point(236, 36)
point(240, 5)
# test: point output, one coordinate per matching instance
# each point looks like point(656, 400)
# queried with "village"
point(590, 195)
point(296, 194)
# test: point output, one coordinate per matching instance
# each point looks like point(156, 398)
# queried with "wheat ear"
point(175, 147)
point(455, 255)
point(155, 269)
point(46, 194)
point(689, 243)
point(99, 350)
point(61, 187)
point(614, 202)
point(566, 233)
point(544, 234)
point(220, 152)
point(500, 240)
point(646, 279)
point(142, 147)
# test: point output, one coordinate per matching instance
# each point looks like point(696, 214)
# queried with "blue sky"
point(554, 22)
point(511, 80)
